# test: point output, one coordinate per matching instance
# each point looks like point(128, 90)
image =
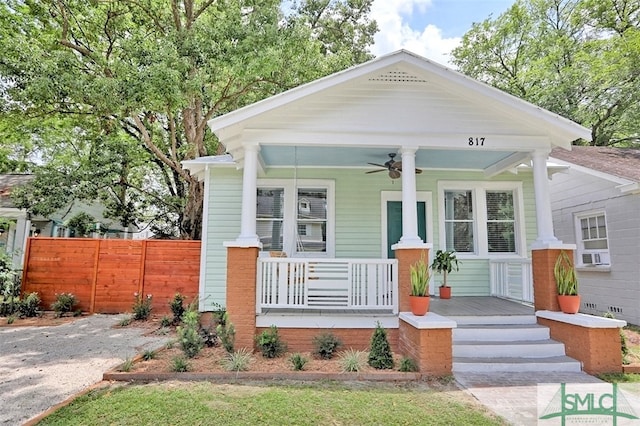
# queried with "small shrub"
point(141, 307)
point(11, 319)
point(165, 321)
point(408, 365)
point(380, 355)
point(126, 366)
point(189, 337)
point(77, 313)
point(162, 331)
point(352, 360)
point(125, 321)
point(209, 338)
point(179, 365)
point(170, 344)
point(237, 361)
point(29, 305)
point(298, 361)
point(177, 307)
point(270, 343)
point(148, 355)
point(226, 333)
point(326, 345)
point(64, 303)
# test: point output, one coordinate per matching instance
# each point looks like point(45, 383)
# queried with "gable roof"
point(329, 106)
point(620, 162)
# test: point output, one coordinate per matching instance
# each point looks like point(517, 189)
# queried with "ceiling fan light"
point(394, 174)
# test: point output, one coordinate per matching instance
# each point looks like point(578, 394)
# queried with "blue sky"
point(431, 28)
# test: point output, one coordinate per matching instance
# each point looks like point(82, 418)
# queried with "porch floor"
point(478, 306)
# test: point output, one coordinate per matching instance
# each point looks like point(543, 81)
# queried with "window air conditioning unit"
point(596, 258)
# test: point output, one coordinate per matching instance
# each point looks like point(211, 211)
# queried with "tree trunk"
point(191, 226)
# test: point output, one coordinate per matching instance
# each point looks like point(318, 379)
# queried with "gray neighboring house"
point(16, 225)
point(596, 205)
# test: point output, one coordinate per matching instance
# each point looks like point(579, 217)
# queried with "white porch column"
point(248, 236)
point(409, 202)
point(544, 215)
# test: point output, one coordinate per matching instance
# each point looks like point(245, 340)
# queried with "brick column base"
point(545, 291)
point(597, 348)
point(406, 257)
point(431, 348)
point(242, 264)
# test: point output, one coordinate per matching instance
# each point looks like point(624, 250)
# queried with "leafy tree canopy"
point(578, 58)
point(104, 99)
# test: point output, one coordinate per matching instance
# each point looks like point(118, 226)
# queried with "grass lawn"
point(180, 403)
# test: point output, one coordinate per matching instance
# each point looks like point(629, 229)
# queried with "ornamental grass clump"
point(420, 275)
point(565, 275)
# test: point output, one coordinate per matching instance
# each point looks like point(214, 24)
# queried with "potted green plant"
point(567, 284)
point(419, 298)
point(444, 262)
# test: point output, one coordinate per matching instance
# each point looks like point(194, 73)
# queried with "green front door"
point(394, 224)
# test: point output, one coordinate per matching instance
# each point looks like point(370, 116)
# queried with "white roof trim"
point(567, 128)
point(198, 166)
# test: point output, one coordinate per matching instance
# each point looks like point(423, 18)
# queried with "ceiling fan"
point(394, 167)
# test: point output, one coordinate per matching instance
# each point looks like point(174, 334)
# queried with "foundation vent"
point(615, 309)
point(398, 77)
point(590, 305)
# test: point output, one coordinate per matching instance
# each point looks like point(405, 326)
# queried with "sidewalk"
point(514, 395)
point(43, 366)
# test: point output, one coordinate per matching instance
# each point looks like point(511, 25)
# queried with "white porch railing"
point(301, 283)
point(512, 279)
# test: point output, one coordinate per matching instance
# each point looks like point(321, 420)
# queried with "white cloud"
point(395, 33)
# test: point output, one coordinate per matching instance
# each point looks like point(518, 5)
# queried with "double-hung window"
point(483, 219)
point(592, 242)
point(296, 217)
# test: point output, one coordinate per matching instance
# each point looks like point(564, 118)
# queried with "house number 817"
point(476, 141)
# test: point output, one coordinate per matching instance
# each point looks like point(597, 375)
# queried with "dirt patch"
point(45, 319)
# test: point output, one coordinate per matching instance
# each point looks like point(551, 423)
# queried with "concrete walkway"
point(514, 396)
point(43, 366)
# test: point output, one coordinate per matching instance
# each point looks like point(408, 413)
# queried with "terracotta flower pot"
point(445, 292)
point(569, 304)
point(419, 305)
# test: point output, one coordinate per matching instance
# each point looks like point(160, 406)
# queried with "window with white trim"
point(501, 222)
point(459, 221)
point(297, 220)
point(482, 218)
point(592, 240)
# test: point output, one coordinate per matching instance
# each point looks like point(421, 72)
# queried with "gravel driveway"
point(42, 366)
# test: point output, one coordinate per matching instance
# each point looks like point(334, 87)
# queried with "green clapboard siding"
point(358, 219)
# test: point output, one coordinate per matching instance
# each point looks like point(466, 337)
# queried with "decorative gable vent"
point(398, 77)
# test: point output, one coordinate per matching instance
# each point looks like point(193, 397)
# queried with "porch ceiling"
point(359, 157)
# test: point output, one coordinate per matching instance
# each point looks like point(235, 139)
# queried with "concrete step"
point(510, 349)
point(493, 319)
point(515, 364)
point(500, 332)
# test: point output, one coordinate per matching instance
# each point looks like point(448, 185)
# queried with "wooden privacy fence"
point(104, 274)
